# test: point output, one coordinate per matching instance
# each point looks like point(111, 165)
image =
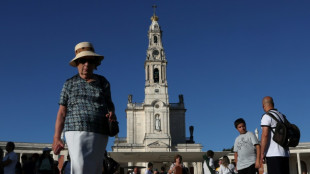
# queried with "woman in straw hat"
point(85, 107)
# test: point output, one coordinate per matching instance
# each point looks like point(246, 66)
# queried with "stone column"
point(185, 164)
point(168, 120)
point(298, 163)
point(162, 73)
point(198, 168)
point(147, 72)
point(130, 126)
point(148, 121)
point(152, 74)
point(164, 122)
point(152, 122)
point(165, 71)
point(20, 157)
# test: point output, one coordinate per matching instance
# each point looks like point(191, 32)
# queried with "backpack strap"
point(285, 121)
point(209, 167)
point(275, 118)
point(231, 171)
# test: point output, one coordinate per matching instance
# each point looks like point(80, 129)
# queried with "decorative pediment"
point(158, 144)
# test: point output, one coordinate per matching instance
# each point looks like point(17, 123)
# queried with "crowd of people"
point(176, 167)
point(249, 154)
point(86, 110)
point(33, 164)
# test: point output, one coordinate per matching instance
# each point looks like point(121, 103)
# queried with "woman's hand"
point(111, 115)
point(58, 145)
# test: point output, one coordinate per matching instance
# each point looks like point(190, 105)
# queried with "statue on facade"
point(181, 98)
point(191, 131)
point(157, 122)
point(130, 98)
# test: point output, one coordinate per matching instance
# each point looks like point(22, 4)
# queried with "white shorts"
point(86, 151)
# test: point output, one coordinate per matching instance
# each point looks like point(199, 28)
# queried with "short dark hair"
point(149, 165)
point(177, 156)
point(210, 153)
point(24, 156)
point(11, 144)
point(239, 121)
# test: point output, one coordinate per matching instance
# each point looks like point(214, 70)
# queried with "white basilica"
point(156, 125)
point(156, 128)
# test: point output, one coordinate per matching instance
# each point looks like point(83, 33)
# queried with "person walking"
point(136, 170)
point(208, 163)
point(162, 170)
point(10, 160)
point(177, 166)
point(247, 149)
point(45, 162)
point(276, 157)
point(149, 168)
point(1, 158)
point(85, 107)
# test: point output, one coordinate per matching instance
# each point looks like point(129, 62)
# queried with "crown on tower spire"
point(154, 17)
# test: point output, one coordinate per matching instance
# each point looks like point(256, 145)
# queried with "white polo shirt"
point(273, 149)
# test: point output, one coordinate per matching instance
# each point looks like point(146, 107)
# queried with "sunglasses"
point(83, 61)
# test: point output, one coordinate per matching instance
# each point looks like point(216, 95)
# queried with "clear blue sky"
point(224, 56)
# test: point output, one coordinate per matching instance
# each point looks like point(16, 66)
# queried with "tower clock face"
point(155, 52)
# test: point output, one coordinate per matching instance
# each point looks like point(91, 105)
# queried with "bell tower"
point(156, 102)
point(155, 125)
point(155, 65)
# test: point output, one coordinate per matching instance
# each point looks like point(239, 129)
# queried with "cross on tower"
point(154, 7)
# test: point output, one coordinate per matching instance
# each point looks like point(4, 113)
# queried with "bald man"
point(276, 157)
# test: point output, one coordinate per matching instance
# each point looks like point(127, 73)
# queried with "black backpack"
point(285, 133)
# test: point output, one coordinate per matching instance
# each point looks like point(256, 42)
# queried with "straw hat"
point(84, 49)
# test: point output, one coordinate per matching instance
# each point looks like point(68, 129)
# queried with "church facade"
point(156, 125)
point(156, 129)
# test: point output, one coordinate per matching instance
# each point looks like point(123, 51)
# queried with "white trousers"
point(86, 151)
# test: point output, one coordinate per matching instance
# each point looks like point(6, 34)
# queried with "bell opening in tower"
point(156, 75)
point(155, 39)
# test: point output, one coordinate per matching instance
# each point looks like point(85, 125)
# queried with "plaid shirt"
point(87, 104)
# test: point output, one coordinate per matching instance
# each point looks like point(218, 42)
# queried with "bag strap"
point(209, 167)
point(231, 171)
point(273, 117)
point(284, 118)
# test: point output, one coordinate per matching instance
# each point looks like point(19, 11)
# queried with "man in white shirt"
point(277, 157)
point(208, 163)
point(10, 159)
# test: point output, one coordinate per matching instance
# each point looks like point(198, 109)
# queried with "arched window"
point(156, 75)
point(155, 39)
